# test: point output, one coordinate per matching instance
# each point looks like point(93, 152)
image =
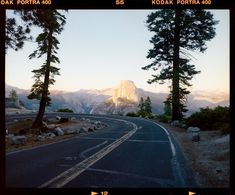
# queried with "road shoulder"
point(208, 159)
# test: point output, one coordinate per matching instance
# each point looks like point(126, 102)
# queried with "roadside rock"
point(176, 123)
point(58, 131)
point(73, 118)
point(71, 130)
point(50, 135)
point(17, 140)
point(41, 138)
point(193, 129)
point(98, 124)
point(58, 118)
point(83, 130)
point(92, 128)
point(51, 126)
point(195, 133)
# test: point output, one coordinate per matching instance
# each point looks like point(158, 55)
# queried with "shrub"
point(64, 110)
point(164, 118)
point(210, 118)
point(132, 114)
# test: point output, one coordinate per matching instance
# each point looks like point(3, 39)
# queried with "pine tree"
point(141, 106)
point(15, 35)
point(13, 95)
point(148, 107)
point(52, 23)
point(167, 106)
point(177, 31)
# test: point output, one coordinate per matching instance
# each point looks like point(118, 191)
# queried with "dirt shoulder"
point(209, 158)
point(70, 129)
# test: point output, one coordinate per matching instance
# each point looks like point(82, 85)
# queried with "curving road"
point(129, 153)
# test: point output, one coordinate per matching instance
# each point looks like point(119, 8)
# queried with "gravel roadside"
point(209, 158)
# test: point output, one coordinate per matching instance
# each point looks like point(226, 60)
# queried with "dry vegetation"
point(31, 134)
point(209, 158)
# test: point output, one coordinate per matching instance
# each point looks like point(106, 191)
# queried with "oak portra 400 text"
point(180, 2)
point(25, 2)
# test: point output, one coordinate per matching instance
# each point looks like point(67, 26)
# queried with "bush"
point(225, 129)
point(164, 118)
point(210, 119)
point(64, 110)
point(132, 114)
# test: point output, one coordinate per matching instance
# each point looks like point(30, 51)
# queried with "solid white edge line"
point(171, 143)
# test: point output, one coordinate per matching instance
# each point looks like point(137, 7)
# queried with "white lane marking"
point(168, 135)
point(171, 143)
point(67, 176)
point(82, 155)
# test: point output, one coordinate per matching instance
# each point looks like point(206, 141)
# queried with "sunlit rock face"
point(125, 91)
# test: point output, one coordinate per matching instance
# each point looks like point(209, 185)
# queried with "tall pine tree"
point(175, 32)
point(15, 35)
point(52, 23)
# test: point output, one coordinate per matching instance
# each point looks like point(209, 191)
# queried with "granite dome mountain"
point(116, 100)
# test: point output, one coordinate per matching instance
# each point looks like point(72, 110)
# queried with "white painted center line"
point(67, 176)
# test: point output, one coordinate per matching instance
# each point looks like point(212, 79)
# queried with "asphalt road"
point(129, 153)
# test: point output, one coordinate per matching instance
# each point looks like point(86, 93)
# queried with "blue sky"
point(101, 47)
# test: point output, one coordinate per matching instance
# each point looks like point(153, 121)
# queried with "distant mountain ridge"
point(117, 100)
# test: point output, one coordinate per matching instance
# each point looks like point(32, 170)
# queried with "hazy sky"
point(101, 47)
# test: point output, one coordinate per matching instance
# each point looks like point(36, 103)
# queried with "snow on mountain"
point(117, 100)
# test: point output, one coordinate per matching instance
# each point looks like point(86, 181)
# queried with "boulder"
point(69, 130)
point(195, 133)
point(44, 124)
point(50, 135)
point(58, 118)
point(176, 123)
point(41, 138)
point(17, 140)
point(51, 127)
point(58, 131)
point(83, 129)
point(73, 119)
point(193, 129)
point(92, 128)
point(98, 124)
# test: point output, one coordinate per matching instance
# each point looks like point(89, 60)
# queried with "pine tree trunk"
point(176, 113)
point(43, 102)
